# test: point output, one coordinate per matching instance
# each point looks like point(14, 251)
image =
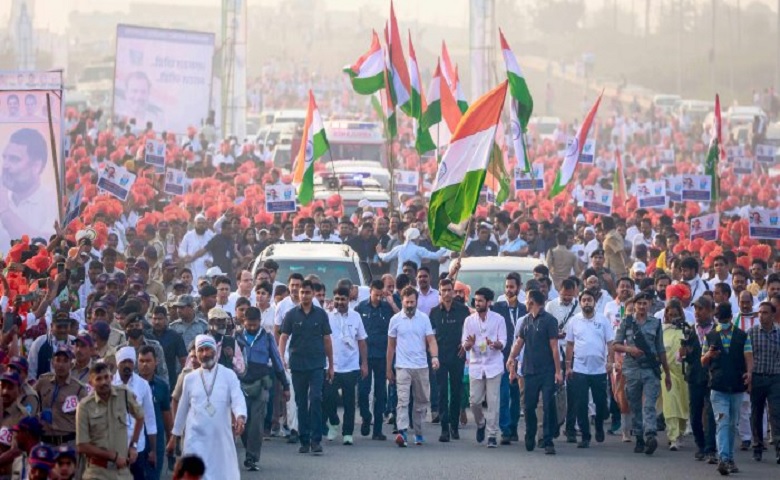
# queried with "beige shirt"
point(614, 253)
point(562, 264)
point(62, 405)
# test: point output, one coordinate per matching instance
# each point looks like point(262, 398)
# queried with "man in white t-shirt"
point(350, 361)
point(409, 336)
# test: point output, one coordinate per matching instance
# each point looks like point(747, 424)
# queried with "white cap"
point(412, 234)
point(580, 218)
point(214, 272)
point(368, 214)
point(200, 216)
point(639, 267)
point(591, 230)
point(217, 312)
point(125, 353)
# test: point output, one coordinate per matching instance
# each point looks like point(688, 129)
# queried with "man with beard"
point(350, 357)
point(589, 355)
point(194, 241)
point(690, 275)
point(212, 410)
point(484, 336)
point(765, 339)
point(221, 249)
point(615, 310)
point(27, 207)
point(513, 310)
point(221, 328)
point(103, 437)
point(659, 302)
point(126, 360)
point(447, 320)
point(263, 365)
point(136, 338)
point(326, 232)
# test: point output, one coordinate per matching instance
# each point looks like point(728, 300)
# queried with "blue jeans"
point(509, 406)
point(725, 407)
point(308, 399)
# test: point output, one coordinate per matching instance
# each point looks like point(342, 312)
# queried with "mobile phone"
point(60, 267)
point(42, 283)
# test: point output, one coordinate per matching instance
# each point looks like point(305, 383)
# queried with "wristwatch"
point(133, 445)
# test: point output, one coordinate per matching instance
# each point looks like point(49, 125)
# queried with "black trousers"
point(581, 384)
point(307, 385)
point(449, 378)
point(702, 419)
point(765, 389)
point(377, 377)
point(534, 385)
point(346, 382)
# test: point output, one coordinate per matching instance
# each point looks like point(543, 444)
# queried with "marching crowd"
point(143, 330)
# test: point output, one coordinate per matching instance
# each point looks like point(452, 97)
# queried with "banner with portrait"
point(280, 198)
point(598, 200)
point(406, 181)
point(665, 156)
point(705, 227)
point(696, 188)
point(588, 151)
point(651, 194)
point(115, 180)
point(533, 180)
point(175, 182)
point(743, 165)
point(734, 152)
point(28, 174)
point(764, 224)
point(163, 76)
point(766, 153)
point(154, 152)
point(674, 188)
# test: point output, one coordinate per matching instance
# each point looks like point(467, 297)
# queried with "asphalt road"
point(465, 459)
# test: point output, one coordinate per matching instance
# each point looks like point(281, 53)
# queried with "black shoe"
point(379, 436)
point(506, 440)
point(712, 459)
point(530, 444)
point(699, 456)
point(304, 449)
point(650, 445)
point(600, 435)
point(777, 454)
point(549, 450)
point(454, 434)
point(514, 437)
point(757, 454)
point(745, 446)
point(391, 419)
point(293, 437)
point(435, 420)
point(365, 428)
point(445, 436)
point(640, 445)
point(723, 468)
point(251, 465)
point(492, 442)
point(571, 438)
point(316, 449)
point(733, 467)
point(481, 433)
point(584, 444)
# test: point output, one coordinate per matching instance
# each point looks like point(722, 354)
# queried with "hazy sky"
point(50, 13)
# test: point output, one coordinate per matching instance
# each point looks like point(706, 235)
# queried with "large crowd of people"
point(144, 330)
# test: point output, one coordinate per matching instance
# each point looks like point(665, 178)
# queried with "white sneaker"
point(674, 446)
point(626, 437)
point(333, 432)
point(347, 439)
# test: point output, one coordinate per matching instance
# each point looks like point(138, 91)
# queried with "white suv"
point(329, 261)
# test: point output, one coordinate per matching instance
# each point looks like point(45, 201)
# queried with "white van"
point(329, 261)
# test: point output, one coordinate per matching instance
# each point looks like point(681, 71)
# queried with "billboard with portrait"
point(163, 76)
point(28, 179)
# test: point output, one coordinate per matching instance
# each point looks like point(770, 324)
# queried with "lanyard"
point(209, 390)
point(513, 315)
point(54, 395)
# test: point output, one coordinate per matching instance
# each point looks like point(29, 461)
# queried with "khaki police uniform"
point(28, 397)
point(82, 374)
point(58, 408)
point(105, 425)
point(12, 415)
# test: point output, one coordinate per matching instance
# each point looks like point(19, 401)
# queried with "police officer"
point(13, 412)
point(60, 394)
point(101, 427)
point(28, 396)
point(640, 337)
point(83, 351)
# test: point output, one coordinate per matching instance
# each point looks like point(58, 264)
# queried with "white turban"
point(412, 234)
point(125, 353)
point(205, 341)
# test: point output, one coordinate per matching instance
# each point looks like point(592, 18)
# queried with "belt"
point(58, 440)
point(99, 462)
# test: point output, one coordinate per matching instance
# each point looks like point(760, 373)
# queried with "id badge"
point(47, 416)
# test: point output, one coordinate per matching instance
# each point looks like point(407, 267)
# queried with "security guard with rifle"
point(640, 337)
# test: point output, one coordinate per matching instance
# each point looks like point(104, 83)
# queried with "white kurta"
point(211, 437)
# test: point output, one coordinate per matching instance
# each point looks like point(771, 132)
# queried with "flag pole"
point(333, 172)
point(463, 247)
point(55, 162)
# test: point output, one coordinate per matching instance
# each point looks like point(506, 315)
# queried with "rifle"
point(648, 360)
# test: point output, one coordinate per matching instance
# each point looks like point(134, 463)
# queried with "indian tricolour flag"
point(313, 146)
point(398, 75)
point(368, 72)
point(462, 171)
point(522, 103)
point(573, 150)
point(432, 114)
point(423, 142)
point(463, 104)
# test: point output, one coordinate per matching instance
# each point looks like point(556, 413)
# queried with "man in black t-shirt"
point(222, 249)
